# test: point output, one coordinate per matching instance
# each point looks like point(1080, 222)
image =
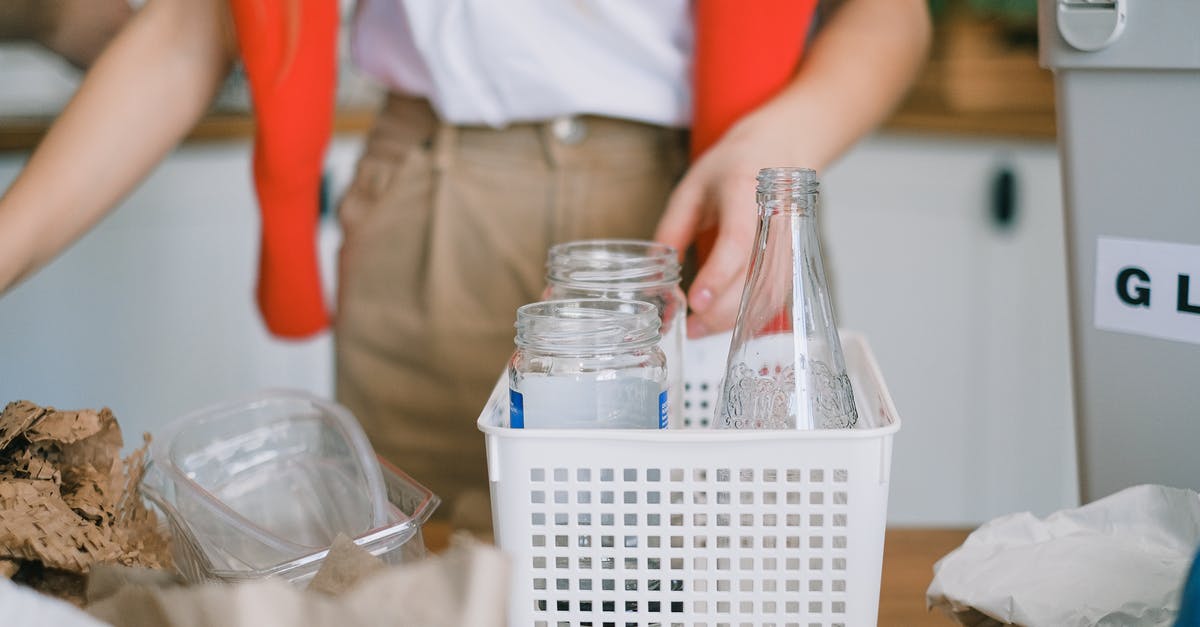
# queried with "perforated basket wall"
point(621, 528)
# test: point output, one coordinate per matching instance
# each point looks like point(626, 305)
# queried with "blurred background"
point(942, 233)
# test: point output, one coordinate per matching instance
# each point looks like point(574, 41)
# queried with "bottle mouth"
point(786, 190)
point(612, 263)
point(783, 180)
point(587, 325)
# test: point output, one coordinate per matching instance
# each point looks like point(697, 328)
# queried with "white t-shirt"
point(494, 62)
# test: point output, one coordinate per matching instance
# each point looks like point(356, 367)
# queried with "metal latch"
point(1091, 25)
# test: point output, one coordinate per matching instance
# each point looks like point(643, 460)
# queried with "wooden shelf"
point(24, 133)
point(1008, 125)
point(981, 80)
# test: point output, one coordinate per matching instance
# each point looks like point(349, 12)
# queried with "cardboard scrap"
point(16, 419)
point(32, 465)
point(66, 427)
point(68, 501)
point(37, 525)
point(345, 564)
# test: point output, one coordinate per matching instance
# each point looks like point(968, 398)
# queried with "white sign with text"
point(1148, 288)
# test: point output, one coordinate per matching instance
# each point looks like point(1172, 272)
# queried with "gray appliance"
point(1127, 79)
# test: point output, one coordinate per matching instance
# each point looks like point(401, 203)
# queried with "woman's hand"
point(857, 68)
point(718, 191)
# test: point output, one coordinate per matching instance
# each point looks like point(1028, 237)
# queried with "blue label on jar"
point(663, 405)
point(516, 410)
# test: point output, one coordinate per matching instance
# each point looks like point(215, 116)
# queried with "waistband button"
point(568, 129)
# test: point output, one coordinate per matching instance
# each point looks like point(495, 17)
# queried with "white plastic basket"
point(691, 528)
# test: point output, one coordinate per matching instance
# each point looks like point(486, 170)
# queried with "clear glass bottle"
point(628, 270)
point(588, 364)
point(786, 369)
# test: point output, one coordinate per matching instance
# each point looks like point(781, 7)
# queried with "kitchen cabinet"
point(152, 313)
point(948, 254)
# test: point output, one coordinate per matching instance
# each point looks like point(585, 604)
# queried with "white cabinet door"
point(153, 313)
point(968, 320)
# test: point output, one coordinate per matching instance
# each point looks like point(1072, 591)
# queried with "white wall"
point(152, 313)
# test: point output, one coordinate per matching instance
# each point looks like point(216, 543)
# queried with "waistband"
point(405, 120)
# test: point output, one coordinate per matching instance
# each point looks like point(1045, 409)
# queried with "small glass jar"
point(588, 364)
point(628, 270)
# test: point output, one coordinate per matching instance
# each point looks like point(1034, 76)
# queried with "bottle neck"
point(791, 191)
point(802, 205)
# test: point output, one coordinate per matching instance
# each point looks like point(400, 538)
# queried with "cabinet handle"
point(1004, 199)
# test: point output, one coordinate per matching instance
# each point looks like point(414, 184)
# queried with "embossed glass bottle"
point(785, 368)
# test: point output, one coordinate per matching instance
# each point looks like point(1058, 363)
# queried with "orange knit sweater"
point(745, 52)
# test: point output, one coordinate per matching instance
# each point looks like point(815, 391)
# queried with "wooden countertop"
point(908, 558)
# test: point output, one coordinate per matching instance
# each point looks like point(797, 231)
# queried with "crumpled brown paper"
point(345, 565)
point(68, 501)
point(467, 586)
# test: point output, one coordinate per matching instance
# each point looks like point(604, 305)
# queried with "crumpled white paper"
point(1120, 560)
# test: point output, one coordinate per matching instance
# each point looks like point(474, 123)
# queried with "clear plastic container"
point(395, 543)
point(268, 480)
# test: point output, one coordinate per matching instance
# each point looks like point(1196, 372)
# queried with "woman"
point(510, 126)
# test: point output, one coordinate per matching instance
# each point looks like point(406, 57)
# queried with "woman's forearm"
point(142, 96)
point(858, 67)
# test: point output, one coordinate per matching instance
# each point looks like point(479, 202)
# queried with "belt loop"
point(444, 144)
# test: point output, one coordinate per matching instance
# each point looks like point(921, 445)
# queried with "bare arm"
point(855, 72)
point(144, 93)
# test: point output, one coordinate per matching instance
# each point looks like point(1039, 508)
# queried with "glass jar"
point(628, 270)
point(588, 364)
point(785, 368)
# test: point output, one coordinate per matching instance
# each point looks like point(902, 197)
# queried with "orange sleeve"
point(289, 48)
point(746, 52)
